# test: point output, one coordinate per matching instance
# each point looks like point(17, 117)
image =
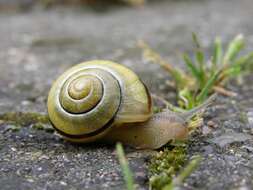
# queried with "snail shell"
point(87, 100)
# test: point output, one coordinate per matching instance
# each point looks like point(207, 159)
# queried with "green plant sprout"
point(127, 174)
point(168, 169)
point(179, 179)
point(165, 165)
point(204, 76)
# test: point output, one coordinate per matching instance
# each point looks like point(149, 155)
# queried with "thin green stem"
point(127, 174)
point(184, 174)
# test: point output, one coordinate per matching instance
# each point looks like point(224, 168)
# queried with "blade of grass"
point(245, 61)
point(184, 174)
point(200, 58)
point(167, 104)
point(192, 68)
point(242, 64)
point(152, 56)
point(197, 73)
point(188, 170)
point(232, 71)
point(208, 87)
point(217, 53)
point(196, 40)
point(188, 99)
point(233, 49)
point(202, 73)
point(127, 174)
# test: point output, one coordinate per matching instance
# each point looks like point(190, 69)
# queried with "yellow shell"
point(91, 97)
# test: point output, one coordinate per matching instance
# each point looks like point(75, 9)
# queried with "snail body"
point(157, 131)
point(105, 101)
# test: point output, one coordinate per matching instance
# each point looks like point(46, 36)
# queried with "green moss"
point(186, 172)
point(38, 126)
point(156, 109)
point(24, 119)
point(243, 117)
point(166, 164)
point(13, 128)
point(35, 120)
point(41, 126)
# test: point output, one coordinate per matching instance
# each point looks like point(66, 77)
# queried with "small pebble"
point(212, 124)
point(25, 103)
point(230, 137)
point(30, 180)
point(63, 183)
point(250, 117)
point(44, 157)
point(206, 130)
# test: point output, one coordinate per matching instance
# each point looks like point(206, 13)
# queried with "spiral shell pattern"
point(91, 97)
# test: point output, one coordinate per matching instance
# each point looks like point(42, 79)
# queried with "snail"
point(105, 101)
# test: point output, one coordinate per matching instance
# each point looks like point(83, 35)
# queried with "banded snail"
point(103, 100)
